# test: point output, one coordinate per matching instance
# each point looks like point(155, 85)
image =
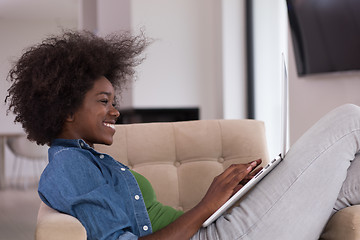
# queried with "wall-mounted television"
point(325, 35)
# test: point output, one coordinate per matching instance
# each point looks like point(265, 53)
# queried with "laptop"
point(271, 165)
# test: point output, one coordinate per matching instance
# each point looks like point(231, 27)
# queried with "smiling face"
point(94, 120)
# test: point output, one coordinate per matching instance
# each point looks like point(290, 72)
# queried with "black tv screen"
point(325, 35)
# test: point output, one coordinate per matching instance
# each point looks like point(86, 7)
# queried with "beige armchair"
point(180, 160)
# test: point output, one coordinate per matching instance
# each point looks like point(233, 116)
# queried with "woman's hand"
point(220, 190)
point(228, 183)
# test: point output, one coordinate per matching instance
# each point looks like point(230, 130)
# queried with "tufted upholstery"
point(180, 160)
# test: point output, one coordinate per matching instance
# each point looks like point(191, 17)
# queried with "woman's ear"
point(70, 117)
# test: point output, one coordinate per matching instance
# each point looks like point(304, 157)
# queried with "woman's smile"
point(94, 121)
point(110, 125)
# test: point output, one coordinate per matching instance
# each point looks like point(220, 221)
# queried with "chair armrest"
point(53, 225)
point(344, 224)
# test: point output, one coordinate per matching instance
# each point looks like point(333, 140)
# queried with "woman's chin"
point(108, 141)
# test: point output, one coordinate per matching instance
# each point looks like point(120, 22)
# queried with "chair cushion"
point(181, 159)
point(345, 224)
point(52, 225)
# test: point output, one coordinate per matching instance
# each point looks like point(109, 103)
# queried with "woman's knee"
point(347, 115)
point(349, 109)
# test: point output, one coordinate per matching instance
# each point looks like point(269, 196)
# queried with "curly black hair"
point(50, 79)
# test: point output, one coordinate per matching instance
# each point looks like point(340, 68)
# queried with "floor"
point(18, 212)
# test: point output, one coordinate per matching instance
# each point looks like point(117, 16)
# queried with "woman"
point(64, 94)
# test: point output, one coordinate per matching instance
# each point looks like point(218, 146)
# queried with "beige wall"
point(313, 96)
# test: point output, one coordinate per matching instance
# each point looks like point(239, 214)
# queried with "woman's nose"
point(115, 112)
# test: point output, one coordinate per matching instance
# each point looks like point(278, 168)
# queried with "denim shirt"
point(96, 189)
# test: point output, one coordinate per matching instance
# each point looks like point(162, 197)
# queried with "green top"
point(159, 214)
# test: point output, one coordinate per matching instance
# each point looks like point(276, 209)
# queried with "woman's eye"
point(105, 101)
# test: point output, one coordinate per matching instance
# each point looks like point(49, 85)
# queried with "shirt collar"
point(78, 143)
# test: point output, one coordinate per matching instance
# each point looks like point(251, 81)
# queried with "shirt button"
point(101, 156)
point(82, 144)
point(137, 197)
point(145, 228)
point(122, 169)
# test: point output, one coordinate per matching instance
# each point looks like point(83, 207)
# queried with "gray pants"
point(318, 176)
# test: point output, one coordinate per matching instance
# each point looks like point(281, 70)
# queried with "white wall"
point(234, 64)
point(270, 41)
point(185, 63)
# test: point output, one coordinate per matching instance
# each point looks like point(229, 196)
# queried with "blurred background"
point(222, 58)
point(22, 24)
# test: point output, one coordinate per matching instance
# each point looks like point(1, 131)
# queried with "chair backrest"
point(22, 147)
point(180, 159)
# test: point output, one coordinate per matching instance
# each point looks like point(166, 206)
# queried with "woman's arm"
point(220, 190)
